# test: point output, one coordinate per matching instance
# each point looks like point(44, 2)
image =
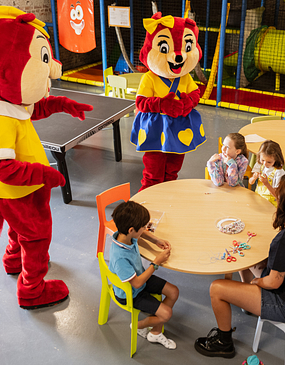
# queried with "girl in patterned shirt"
point(230, 165)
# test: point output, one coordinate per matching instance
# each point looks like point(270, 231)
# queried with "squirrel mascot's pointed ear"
point(26, 61)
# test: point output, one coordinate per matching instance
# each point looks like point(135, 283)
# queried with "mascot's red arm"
point(57, 104)
point(167, 105)
point(13, 172)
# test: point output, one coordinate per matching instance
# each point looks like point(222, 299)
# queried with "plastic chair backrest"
point(120, 192)
point(107, 72)
point(107, 275)
point(107, 293)
point(265, 117)
point(119, 86)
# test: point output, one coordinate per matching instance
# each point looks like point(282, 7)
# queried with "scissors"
point(244, 246)
point(250, 235)
point(241, 253)
point(230, 258)
point(236, 243)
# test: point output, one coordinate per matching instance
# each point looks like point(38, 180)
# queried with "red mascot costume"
point(166, 126)
point(26, 179)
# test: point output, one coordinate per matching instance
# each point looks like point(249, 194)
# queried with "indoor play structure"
point(243, 63)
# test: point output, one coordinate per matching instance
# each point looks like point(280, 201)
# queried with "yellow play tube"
point(269, 52)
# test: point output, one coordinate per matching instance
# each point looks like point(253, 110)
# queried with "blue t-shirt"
point(125, 261)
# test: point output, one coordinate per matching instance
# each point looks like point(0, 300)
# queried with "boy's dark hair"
point(239, 142)
point(271, 148)
point(279, 220)
point(130, 214)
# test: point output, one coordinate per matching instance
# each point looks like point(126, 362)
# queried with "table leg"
point(117, 140)
point(61, 163)
point(229, 276)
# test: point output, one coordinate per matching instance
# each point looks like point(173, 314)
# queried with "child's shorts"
point(144, 301)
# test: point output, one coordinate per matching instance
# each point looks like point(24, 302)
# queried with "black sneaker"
point(213, 346)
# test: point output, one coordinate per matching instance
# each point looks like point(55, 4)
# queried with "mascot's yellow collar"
point(15, 111)
point(151, 24)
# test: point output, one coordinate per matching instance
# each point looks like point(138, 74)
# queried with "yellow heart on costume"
point(186, 136)
point(162, 138)
point(202, 132)
point(142, 136)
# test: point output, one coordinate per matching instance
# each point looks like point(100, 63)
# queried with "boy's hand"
point(215, 157)
point(163, 244)
point(162, 256)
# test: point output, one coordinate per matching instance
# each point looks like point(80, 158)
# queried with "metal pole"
point(221, 52)
point(54, 26)
point(103, 36)
point(241, 39)
point(206, 36)
point(132, 33)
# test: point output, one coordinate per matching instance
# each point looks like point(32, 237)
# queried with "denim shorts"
point(144, 301)
point(272, 306)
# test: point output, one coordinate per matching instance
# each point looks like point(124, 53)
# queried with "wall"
point(42, 10)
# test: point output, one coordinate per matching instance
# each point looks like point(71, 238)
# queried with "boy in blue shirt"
point(131, 220)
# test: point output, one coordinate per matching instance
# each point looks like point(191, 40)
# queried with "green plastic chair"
point(107, 72)
point(107, 293)
point(261, 119)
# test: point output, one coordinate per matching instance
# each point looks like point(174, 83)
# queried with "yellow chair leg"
point(134, 331)
point(104, 306)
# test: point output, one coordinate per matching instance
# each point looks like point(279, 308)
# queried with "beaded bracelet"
point(236, 226)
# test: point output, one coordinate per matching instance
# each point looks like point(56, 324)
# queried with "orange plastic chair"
point(120, 192)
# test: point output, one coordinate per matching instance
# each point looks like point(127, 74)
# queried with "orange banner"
point(76, 25)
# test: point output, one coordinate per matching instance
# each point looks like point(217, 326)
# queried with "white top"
point(267, 171)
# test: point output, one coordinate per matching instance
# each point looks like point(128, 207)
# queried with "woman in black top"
point(264, 296)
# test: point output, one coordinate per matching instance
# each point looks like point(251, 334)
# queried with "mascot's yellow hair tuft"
point(9, 12)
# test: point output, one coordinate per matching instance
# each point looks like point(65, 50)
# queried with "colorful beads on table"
point(235, 227)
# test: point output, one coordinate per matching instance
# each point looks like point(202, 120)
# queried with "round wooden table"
point(269, 129)
point(192, 209)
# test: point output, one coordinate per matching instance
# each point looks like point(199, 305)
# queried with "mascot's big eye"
point(164, 47)
point(188, 46)
point(73, 14)
point(79, 12)
point(45, 55)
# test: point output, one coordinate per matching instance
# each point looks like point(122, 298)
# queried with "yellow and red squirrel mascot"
point(166, 126)
point(26, 179)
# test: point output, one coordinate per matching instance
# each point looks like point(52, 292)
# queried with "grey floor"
point(69, 333)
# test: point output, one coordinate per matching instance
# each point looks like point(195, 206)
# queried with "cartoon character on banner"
point(76, 25)
point(26, 179)
point(166, 126)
